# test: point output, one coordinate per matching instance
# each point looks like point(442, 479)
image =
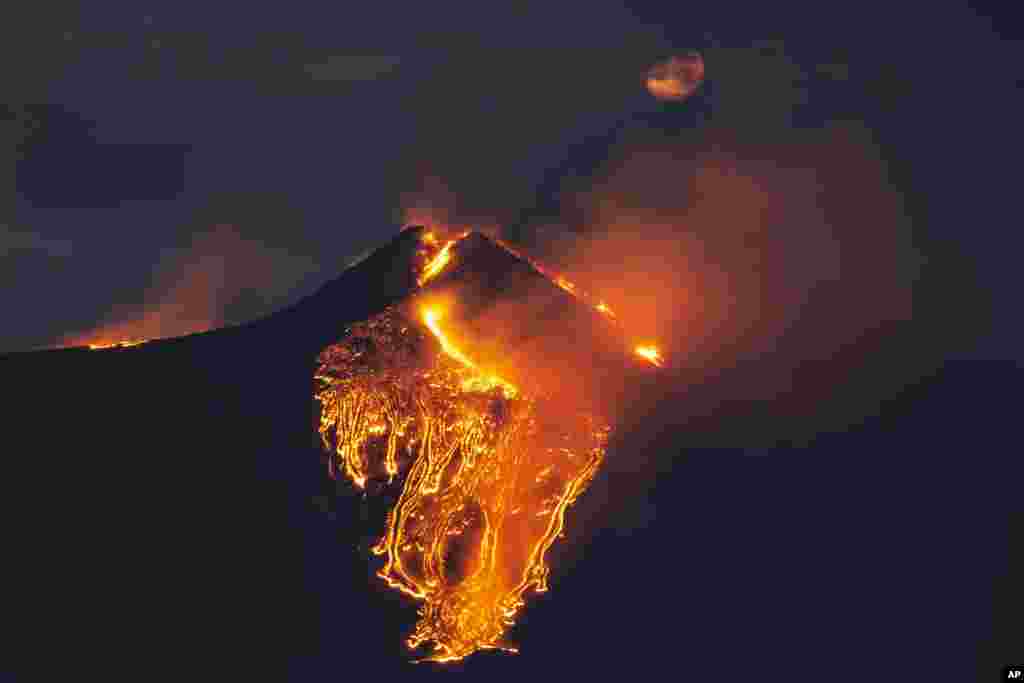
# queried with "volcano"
point(184, 507)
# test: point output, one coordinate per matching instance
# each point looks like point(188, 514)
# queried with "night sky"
point(274, 146)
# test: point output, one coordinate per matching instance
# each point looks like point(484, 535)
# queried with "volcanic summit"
point(482, 393)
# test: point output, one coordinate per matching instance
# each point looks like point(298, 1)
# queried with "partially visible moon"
point(676, 78)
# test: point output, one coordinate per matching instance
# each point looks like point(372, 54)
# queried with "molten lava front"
point(487, 469)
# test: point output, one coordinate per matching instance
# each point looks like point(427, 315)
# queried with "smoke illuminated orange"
point(649, 353)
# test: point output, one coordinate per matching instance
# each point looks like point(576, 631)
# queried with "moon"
point(676, 78)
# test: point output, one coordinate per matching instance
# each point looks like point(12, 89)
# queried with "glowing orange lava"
point(489, 476)
point(489, 470)
point(603, 308)
point(651, 353)
point(479, 381)
point(440, 261)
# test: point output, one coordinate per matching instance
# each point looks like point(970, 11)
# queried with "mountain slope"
point(167, 510)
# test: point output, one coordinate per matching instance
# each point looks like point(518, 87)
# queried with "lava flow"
point(439, 261)
point(489, 469)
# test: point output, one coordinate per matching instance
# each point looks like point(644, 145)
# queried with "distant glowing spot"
point(651, 353)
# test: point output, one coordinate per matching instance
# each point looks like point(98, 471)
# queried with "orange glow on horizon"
point(124, 343)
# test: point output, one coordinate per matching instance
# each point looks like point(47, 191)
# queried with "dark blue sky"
point(303, 132)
